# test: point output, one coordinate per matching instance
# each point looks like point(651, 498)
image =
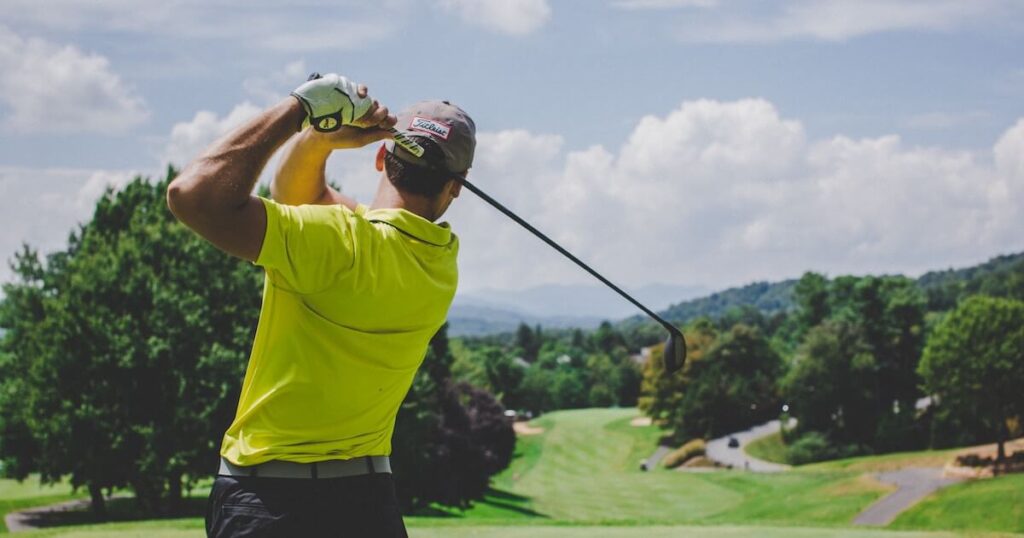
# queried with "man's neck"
point(389, 197)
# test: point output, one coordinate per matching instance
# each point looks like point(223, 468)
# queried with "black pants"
point(358, 506)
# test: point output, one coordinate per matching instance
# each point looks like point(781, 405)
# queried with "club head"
point(675, 350)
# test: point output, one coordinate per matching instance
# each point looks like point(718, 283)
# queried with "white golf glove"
point(331, 101)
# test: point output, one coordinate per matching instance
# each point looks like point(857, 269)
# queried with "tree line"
point(866, 364)
point(123, 355)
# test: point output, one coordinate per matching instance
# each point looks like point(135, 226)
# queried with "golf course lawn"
point(16, 495)
point(586, 470)
point(580, 477)
point(999, 501)
point(768, 448)
point(193, 529)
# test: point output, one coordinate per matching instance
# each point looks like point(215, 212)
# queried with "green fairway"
point(15, 495)
point(585, 468)
point(668, 532)
point(768, 448)
point(996, 504)
point(580, 477)
point(193, 529)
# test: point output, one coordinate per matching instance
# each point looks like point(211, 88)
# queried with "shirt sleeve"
point(307, 248)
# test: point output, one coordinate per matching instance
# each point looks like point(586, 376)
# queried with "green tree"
point(873, 381)
point(830, 387)
point(450, 438)
point(973, 365)
point(733, 387)
point(132, 370)
point(529, 341)
point(811, 297)
point(602, 379)
point(505, 375)
point(605, 338)
point(661, 395)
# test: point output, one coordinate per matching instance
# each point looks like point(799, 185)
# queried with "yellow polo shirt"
point(350, 302)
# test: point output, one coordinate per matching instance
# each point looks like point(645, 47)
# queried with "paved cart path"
point(718, 450)
point(915, 483)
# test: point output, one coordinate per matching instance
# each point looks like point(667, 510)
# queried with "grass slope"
point(584, 469)
point(580, 478)
point(996, 504)
point(29, 493)
point(768, 448)
point(192, 529)
point(886, 462)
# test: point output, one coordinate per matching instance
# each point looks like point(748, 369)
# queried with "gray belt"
point(320, 469)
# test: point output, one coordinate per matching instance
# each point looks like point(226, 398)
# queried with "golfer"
point(351, 298)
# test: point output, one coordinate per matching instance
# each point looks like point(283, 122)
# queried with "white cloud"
point(1009, 154)
point(189, 138)
point(722, 193)
point(41, 206)
point(48, 88)
point(714, 193)
point(512, 17)
point(835, 20)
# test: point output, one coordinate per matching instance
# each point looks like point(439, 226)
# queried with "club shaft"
point(508, 213)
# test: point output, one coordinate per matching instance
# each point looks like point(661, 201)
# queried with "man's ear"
point(380, 157)
point(455, 189)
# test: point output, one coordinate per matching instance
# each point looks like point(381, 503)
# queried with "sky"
point(689, 142)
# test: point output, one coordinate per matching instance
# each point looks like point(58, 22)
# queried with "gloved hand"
point(331, 101)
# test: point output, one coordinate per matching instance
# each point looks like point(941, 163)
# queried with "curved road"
point(913, 484)
point(718, 450)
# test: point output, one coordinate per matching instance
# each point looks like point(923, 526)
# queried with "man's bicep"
point(238, 232)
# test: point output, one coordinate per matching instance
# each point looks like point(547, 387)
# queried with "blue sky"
point(702, 142)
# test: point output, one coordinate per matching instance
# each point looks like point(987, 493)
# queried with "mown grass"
point(996, 504)
point(580, 478)
point(768, 448)
point(29, 493)
point(643, 440)
point(193, 529)
point(584, 469)
point(886, 462)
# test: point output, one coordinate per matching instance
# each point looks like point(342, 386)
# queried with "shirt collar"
point(410, 224)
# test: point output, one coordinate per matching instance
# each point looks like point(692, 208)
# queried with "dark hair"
point(414, 179)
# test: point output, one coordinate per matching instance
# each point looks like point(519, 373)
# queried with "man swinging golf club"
point(352, 296)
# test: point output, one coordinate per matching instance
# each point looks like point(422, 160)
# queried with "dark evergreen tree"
point(450, 438)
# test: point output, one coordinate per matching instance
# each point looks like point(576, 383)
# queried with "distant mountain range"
point(556, 306)
point(489, 311)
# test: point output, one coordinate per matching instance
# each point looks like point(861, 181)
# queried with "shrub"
point(815, 446)
point(679, 456)
point(810, 447)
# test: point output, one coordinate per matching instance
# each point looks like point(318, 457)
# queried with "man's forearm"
point(213, 194)
point(223, 177)
point(301, 176)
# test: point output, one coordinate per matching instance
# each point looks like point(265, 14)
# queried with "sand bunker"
point(522, 428)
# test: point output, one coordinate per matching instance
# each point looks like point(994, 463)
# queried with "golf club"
point(675, 346)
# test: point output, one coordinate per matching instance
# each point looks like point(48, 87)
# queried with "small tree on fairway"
point(974, 364)
point(662, 394)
